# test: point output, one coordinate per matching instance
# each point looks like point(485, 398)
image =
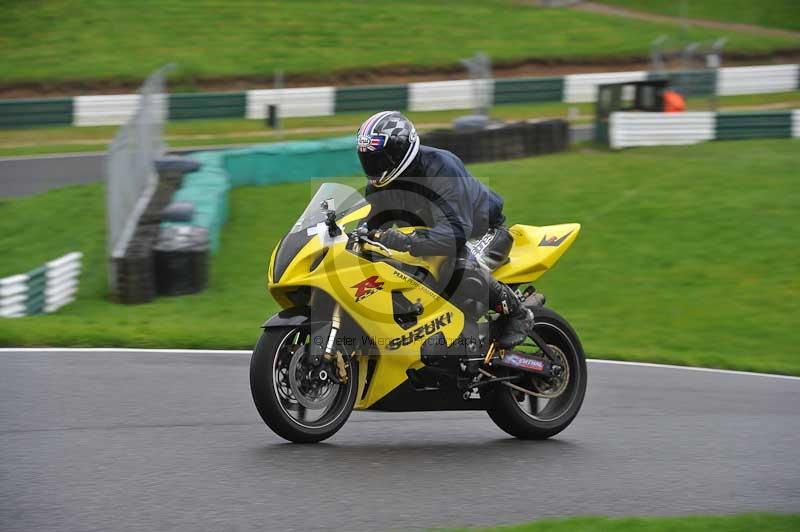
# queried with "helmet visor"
point(375, 163)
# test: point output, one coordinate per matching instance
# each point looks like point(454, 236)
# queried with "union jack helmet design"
point(387, 144)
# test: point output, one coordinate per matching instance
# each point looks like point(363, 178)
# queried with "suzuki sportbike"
point(366, 328)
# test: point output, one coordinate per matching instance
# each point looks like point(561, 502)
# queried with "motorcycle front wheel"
point(535, 418)
point(296, 407)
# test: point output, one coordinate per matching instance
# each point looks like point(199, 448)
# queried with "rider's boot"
point(517, 320)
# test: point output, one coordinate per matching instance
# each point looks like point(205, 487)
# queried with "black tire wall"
point(510, 141)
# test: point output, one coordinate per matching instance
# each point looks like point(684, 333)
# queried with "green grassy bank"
point(688, 255)
point(77, 40)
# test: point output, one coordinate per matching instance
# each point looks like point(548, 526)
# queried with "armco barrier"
point(796, 123)
point(43, 289)
point(754, 125)
point(371, 99)
point(690, 83)
point(105, 110)
point(219, 105)
point(528, 90)
point(583, 87)
point(757, 79)
point(426, 96)
point(444, 95)
point(311, 101)
point(657, 129)
point(45, 112)
point(629, 129)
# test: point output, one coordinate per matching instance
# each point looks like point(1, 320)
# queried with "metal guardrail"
point(435, 95)
point(628, 129)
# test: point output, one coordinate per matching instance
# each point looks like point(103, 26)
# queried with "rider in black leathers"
point(416, 185)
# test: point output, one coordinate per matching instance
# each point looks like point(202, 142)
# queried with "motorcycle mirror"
point(327, 205)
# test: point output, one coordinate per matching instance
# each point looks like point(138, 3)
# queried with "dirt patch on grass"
point(605, 9)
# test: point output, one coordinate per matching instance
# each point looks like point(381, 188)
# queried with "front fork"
point(327, 360)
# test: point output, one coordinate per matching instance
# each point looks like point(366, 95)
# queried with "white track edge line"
point(65, 155)
point(34, 350)
point(692, 368)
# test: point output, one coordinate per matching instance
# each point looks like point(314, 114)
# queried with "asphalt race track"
point(171, 441)
point(23, 176)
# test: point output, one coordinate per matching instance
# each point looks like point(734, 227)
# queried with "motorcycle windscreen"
point(329, 197)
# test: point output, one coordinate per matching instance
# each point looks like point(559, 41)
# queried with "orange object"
point(673, 102)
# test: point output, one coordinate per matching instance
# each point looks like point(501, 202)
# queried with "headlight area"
point(288, 249)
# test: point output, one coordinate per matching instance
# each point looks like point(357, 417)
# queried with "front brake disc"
point(314, 395)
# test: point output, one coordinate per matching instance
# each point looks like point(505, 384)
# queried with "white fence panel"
point(583, 87)
point(656, 129)
point(757, 79)
point(12, 290)
point(310, 101)
point(13, 301)
point(13, 295)
point(796, 123)
point(54, 305)
point(13, 285)
point(68, 260)
point(65, 270)
point(67, 277)
point(62, 281)
point(14, 280)
point(444, 95)
point(16, 311)
point(62, 275)
point(110, 110)
point(55, 289)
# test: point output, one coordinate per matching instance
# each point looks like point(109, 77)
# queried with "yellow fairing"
point(339, 274)
point(536, 250)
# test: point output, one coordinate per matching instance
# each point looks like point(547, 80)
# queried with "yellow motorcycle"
point(366, 328)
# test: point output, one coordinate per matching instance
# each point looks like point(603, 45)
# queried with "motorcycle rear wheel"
point(530, 418)
point(274, 397)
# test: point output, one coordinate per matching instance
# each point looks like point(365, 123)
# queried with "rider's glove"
point(363, 229)
point(394, 239)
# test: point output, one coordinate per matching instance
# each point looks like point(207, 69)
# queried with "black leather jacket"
point(439, 193)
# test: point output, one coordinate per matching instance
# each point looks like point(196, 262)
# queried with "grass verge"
point(16, 142)
point(732, 523)
point(79, 40)
point(687, 256)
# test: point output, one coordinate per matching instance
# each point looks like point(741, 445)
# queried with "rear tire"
point(274, 406)
point(507, 411)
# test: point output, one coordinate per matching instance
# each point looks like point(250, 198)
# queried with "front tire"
point(523, 416)
point(273, 396)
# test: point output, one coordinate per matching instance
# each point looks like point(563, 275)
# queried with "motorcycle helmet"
point(387, 144)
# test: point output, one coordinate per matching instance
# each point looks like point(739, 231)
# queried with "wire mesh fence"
point(131, 177)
